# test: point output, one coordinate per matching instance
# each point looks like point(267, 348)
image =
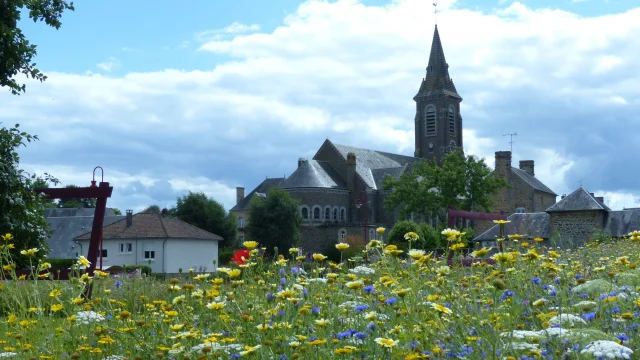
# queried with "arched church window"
point(343, 214)
point(335, 214)
point(342, 234)
point(430, 120)
point(327, 213)
point(305, 213)
point(316, 213)
point(451, 116)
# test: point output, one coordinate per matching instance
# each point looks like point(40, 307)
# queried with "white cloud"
point(108, 65)
point(348, 72)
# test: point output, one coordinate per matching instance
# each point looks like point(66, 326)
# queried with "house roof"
point(367, 161)
point(532, 181)
point(380, 174)
point(314, 174)
point(57, 212)
point(147, 226)
point(579, 200)
point(66, 228)
point(623, 222)
point(529, 224)
point(262, 188)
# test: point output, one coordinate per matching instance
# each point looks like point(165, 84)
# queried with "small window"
point(241, 222)
point(343, 215)
point(126, 248)
point(430, 121)
point(342, 234)
point(327, 214)
point(452, 121)
point(150, 254)
point(305, 213)
point(372, 234)
point(520, 210)
point(316, 213)
point(104, 253)
point(335, 214)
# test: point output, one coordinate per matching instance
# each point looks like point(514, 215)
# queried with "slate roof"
point(623, 222)
point(532, 181)
point(262, 188)
point(579, 200)
point(149, 226)
point(57, 212)
point(437, 81)
point(529, 224)
point(314, 174)
point(66, 228)
point(367, 161)
point(380, 174)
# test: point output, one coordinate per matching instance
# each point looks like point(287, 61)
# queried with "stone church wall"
point(316, 239)
point(323, 198)
point(575, 227)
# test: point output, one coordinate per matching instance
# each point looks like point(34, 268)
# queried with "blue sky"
point(214, 95)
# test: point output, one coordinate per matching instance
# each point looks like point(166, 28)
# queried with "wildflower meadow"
point(533, 301)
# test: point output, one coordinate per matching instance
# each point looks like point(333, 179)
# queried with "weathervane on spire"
point(435, 13)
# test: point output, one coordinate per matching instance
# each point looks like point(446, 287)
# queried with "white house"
point(164, 243)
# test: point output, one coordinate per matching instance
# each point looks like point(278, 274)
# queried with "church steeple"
point(438, 124)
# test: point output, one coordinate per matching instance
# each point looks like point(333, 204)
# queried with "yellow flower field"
point(534, 303)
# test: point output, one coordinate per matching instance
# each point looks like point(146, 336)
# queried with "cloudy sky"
point(218, 94)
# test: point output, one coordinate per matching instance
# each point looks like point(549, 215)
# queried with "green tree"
point(43, 184)
point(16, 52)
point(207, 214)
point(21, 209)
point(396, 235)
point(153, 209)
point(116, 211)
point(274, 221)
point(77, 203)
point(428, 189)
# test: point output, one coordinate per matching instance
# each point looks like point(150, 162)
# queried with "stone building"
point(571, 221)
point(524, 194)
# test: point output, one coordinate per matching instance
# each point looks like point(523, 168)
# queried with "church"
point(340, 189)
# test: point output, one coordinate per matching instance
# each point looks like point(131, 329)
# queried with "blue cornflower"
point(368, 288)
point(536, 280)
point(315, 310)
point(589, 316)
point(391, 301)
point(361, 307)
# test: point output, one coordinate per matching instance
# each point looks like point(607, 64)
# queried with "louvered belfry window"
point(451, 116)
point(430, 123)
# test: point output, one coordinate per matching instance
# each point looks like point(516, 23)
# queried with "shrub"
point(61, 264)
point(224, 255)
point(145, 269)
point(396, 235)
point(430, 238)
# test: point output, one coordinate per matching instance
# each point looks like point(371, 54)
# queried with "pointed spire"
point(437, 80)
point(437, 63)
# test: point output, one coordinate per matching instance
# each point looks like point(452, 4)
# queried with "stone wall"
point(575, 227)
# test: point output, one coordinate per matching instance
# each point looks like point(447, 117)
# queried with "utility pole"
point(511, 140)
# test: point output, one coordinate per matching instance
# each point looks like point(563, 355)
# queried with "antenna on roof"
point(511, 140)
point(435, 13)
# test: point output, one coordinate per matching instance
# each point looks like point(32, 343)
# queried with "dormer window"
point(430, 121)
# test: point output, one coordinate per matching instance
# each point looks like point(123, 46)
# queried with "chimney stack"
point(239, 194)
point(503, 162)
point(301, 161)
point(164, 212)
point(528, 166)
point(351, 170)
point(600, 199)
point(129, 218)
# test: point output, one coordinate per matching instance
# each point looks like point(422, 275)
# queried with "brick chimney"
point(239, 194)
point(129, 218)
point(600, 199)
point(351, 170)
point(528, 166)
point(301, 161)
point(503, 162)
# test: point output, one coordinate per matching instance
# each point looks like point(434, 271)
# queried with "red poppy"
point(240, 256)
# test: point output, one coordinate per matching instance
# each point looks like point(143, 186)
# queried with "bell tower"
point(438, 124)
